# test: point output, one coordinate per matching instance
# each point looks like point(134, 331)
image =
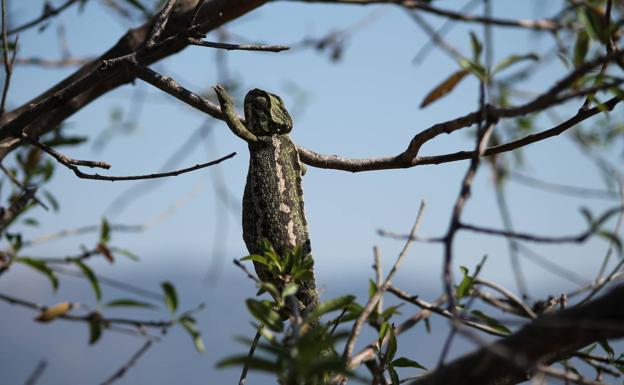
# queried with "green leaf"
point(171, 297)
point(372, 288)
point(256, 258)
point(476, 69)
point(477, 48)
point(613, 238)
point(290, 289)
point(491, 322)
point(91, 277)
point(268, 287)
point(587, 215)
point(256, 363)
point(264, 313)
point(393, 376)
point(188, 323)
point(389, 312)
point(332, 305)
point(392, 345)
point(581, 47)
point(465, 284)
point(31, 222)
point(51, 200)
point(126, 253)
point(41, 267)
point(513, 59)
point(594, 24)
point(104, 231)
point(403, 362)
point(607, 348)
point(383, 330)
point(124, 302)
point(95, 329)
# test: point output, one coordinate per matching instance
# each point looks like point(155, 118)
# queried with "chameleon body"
point(273, 206)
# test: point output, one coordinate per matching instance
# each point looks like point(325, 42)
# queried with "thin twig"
point(244, 269)
point(8, 62)
point(130, 363)
point(36, 374)
point(240, 47)
point(539, 25)
point(243, 377)
point(581, 192)
point(47, 13)
point(159, 24)
point(71, 164)
point(510, 296)
point(580, 238)
point(443, 312)
point(372, 302)
point(21, 186)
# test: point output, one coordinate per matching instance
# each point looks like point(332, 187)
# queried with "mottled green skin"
point(273, 199)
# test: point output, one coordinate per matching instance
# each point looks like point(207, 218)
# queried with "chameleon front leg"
point(231, 118)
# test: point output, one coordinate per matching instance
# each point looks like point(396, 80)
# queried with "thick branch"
point(545, 340)
point(212, 14)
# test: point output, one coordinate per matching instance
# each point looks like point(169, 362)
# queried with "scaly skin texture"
point(273, 200)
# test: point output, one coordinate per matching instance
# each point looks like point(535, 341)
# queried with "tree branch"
point(543, 25)
point(545, 340)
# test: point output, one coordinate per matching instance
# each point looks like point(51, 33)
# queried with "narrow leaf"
point(92, 278)
point(332, 305)
point(403, 362)
point(41, 267)
point(188, 323)
point(123, 302)
point(491, 322)
point(95, 329)
point(171, 297)
point(444, 88)
point(581, 47)
point(263, 312)
point(513, 59)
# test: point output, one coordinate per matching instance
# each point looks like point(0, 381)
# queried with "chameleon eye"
point(260, 102)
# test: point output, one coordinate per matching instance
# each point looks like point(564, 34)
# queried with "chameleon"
point(273, 206)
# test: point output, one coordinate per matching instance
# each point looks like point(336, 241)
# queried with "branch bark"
point(544, 341)
point(212, 14)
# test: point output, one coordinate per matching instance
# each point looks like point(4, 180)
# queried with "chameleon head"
point(265, 114)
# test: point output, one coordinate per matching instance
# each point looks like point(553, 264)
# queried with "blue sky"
point(364, 105)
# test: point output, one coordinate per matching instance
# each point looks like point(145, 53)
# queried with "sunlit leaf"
point(444, 88)
point(52, 312)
